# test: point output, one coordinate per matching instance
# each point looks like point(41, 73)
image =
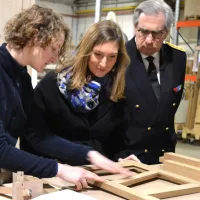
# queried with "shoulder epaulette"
point(175, 47)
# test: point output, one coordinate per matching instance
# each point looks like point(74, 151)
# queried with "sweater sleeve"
point(14, 159)
point(42, 140)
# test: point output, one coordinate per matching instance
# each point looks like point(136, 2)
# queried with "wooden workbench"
point(103, 195)
point(179, 175)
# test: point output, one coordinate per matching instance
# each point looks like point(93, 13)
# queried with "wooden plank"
point(132, 168)
point(161, 159)
point(174, 191)
point(125, 163)
point(185, 170)
point(5, 190)
point(175, 178)
point(57, 183)
point(145, 176)
point(182, 159)
point(123, 191)
point(192, 106)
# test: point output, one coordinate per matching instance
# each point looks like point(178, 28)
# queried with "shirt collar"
point(153, 55)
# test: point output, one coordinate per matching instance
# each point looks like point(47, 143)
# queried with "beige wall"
point(9, 8)
point(192, 7)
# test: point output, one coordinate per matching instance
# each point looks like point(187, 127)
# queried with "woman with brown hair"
point(82, 102)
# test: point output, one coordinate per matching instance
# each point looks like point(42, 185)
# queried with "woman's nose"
point(53, 59)
point(103, 61)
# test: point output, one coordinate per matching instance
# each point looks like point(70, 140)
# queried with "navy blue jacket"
point(151, 130)
point(15, 97)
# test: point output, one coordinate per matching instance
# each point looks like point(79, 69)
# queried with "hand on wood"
point(106, 164)
point(77, 175)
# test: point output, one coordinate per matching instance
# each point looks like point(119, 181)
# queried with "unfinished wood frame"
point(122, 186)
point(184, 185)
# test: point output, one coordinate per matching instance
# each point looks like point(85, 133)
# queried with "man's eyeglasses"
point(155, 34)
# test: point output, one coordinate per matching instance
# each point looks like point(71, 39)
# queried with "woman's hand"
point(104, 163)
point(77, 176)
point(131, 157)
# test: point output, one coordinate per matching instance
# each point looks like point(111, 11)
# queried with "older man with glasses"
point(154, 84)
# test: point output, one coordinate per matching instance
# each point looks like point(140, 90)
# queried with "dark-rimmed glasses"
point(155, 34)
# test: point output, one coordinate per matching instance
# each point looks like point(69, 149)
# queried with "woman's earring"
point(113, 69)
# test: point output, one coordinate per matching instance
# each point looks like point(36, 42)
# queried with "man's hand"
point(77, 175)
point(104, 163)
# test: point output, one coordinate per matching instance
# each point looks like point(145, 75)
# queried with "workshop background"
point(185, 32)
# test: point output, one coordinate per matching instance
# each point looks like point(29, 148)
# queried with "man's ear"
point(166, 34)
point(135, 29)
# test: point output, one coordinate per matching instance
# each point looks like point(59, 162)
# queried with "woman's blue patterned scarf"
point(82, 100)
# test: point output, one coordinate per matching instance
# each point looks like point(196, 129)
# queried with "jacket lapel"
point(139, 75)
point(166, 77)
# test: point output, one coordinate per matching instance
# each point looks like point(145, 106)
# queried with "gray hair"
point(152, 7)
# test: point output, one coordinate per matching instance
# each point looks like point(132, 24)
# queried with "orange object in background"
point(189, 23)
point(189, 77)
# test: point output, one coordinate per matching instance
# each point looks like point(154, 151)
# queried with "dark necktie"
point(152, 74)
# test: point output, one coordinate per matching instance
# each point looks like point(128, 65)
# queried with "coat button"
point(149, 128)
point(146, 150)
point(167, 128)
point(174, 104)
point(137, 106)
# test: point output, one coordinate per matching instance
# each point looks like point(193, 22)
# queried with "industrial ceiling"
point(82, 3)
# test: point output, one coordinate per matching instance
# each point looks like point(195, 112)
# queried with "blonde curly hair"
point(37, 24)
